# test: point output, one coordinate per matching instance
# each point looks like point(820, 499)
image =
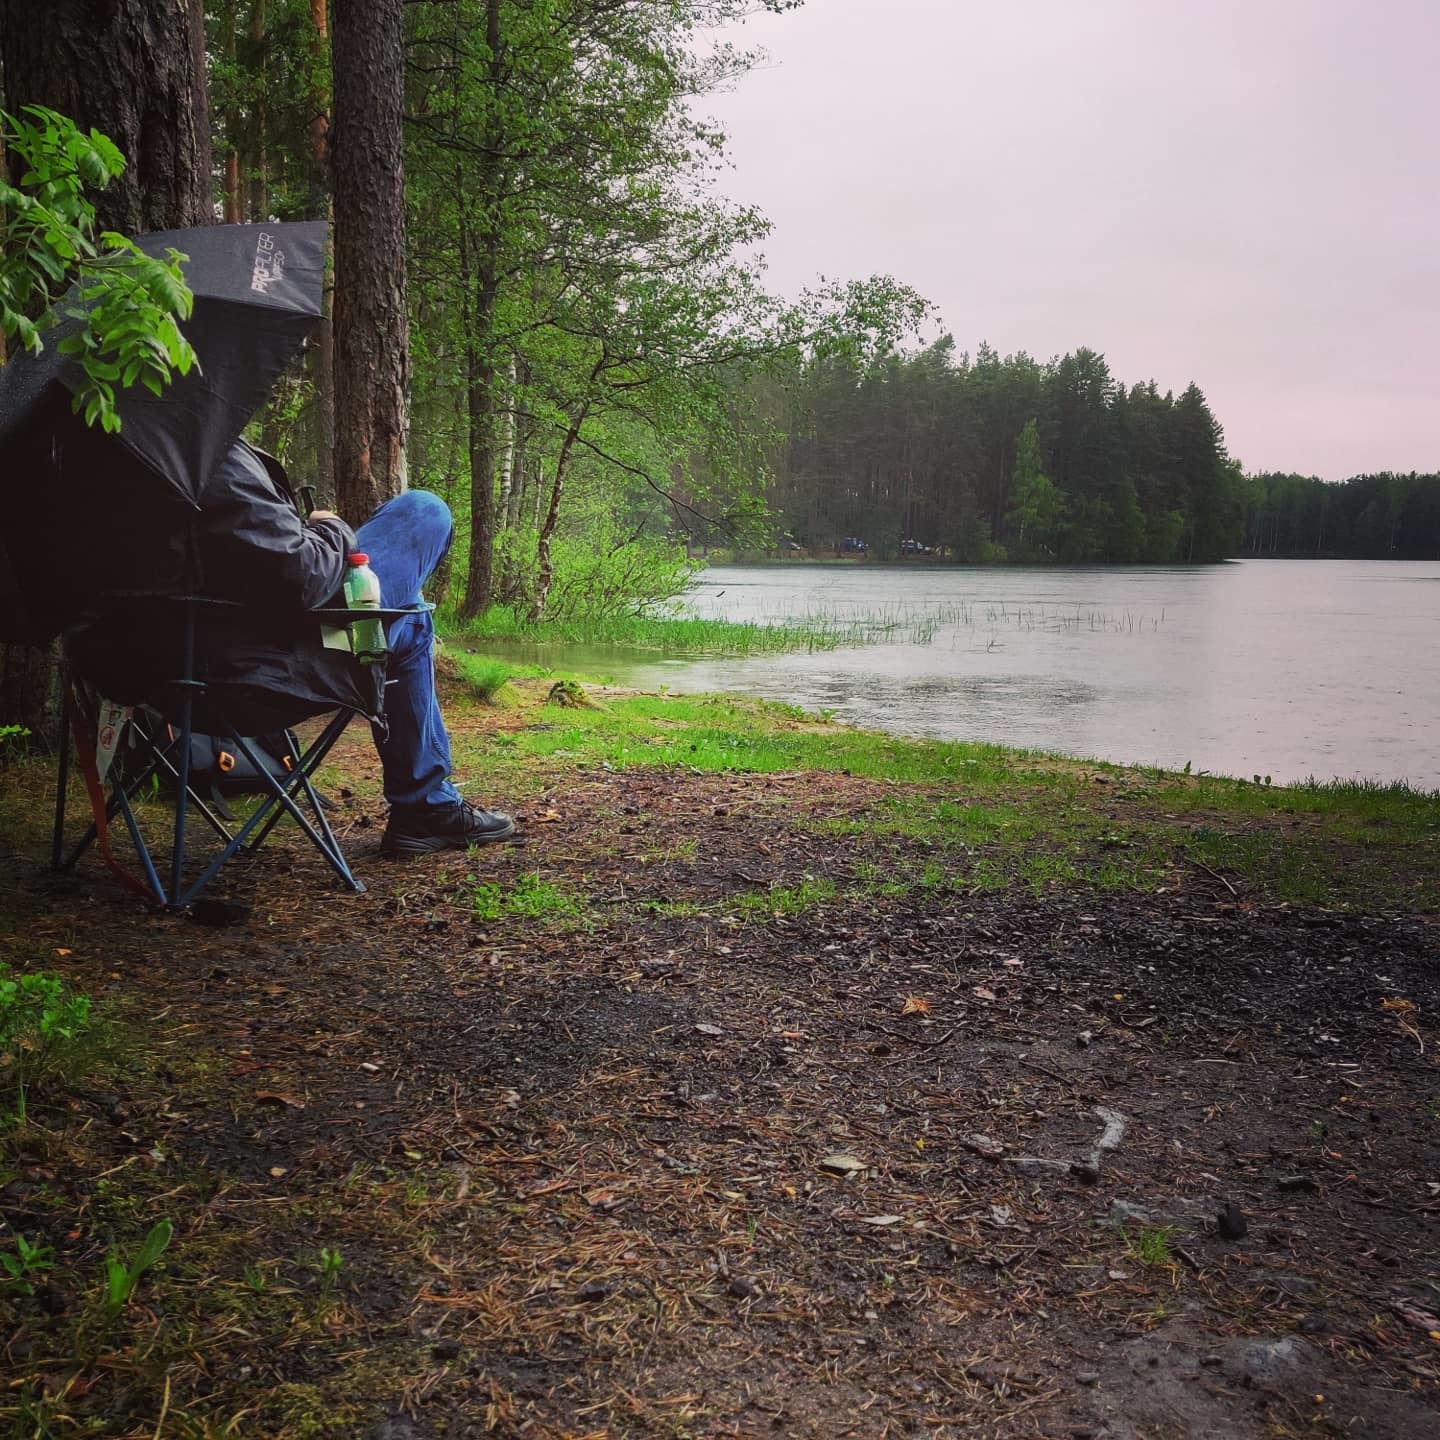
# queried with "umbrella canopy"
point(257, 295)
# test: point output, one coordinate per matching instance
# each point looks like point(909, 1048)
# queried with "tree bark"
point(372, 336)
point(127, 68)
point(134, 70)
point(322, 348)
point(480, 351)
point(480, 394)
point(260, 151)
point(544, 570)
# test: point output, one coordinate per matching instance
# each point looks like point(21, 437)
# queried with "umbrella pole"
point(187, 685)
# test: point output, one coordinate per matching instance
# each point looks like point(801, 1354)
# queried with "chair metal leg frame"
point(305, 766)
point(326, 843)
point(324, 836)
point(279, 802)
point(159, 759)
point(152, 878)
point(187, 685)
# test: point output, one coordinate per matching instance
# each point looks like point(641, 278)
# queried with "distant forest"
point(987, 458)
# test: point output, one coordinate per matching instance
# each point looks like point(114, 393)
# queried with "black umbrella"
point(257, 295)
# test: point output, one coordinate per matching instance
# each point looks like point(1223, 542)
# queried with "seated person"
point(252, 541)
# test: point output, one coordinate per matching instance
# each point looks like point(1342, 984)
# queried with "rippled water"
point(1280, 668)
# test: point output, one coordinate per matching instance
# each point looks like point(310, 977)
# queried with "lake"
point(1286, 668)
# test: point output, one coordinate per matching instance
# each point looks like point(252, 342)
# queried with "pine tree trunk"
point(232, 208)
point(321, 354)
point(480, 397)
point(129, 70)
point(372, 334)
point(260, 155)
point(480, 366)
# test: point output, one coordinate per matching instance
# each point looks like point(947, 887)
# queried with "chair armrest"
point(336, 615)
point(325, 614)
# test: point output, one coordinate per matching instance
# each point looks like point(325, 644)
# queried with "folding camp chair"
point(165, 755)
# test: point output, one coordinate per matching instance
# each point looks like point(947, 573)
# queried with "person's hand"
point(315, 515)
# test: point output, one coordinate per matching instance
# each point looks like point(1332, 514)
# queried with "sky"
point(1243, 193)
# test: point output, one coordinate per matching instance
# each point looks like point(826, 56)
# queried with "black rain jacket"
point(101, 542)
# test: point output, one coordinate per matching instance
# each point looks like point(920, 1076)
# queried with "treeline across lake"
point(1369, 517)
point(990, 458)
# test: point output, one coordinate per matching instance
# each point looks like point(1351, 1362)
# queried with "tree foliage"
point(1369, 517)
point(124, 307)
point(989, 458)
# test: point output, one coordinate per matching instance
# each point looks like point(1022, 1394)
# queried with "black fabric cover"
point(257, 295)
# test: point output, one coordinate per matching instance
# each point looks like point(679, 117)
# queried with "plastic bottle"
point(362, 592)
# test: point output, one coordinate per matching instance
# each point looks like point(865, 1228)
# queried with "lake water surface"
point(1270, 667)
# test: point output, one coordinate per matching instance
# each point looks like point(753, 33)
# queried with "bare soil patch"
point(926, 1166)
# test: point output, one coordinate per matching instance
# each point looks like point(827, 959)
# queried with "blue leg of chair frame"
point(280, 796)
point(303, 767)
point(159, 759)
point(177, 896)
point(187, 685)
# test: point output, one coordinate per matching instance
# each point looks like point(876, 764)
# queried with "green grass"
point(784, 901)
point(485, 677)
point(988, 817)
point(1151, 1246)
point(690, 635)
point(720, 734)
point(530, 898)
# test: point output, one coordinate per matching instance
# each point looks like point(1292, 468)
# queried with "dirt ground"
point(1083, 1165)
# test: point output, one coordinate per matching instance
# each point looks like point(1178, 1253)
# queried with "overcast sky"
point(1245, 193)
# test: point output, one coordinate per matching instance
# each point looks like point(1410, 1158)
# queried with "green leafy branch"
point(127, 306)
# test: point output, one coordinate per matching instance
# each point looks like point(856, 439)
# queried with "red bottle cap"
point(359, 558)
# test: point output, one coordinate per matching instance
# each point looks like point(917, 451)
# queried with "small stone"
point(1087, 1377)
point(446, 1349)
point(984, 1145)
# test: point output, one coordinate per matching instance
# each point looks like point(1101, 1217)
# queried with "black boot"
point(424, 829)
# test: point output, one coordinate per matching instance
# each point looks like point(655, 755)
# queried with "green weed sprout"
point(25, 1261)
point(121, 1279)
